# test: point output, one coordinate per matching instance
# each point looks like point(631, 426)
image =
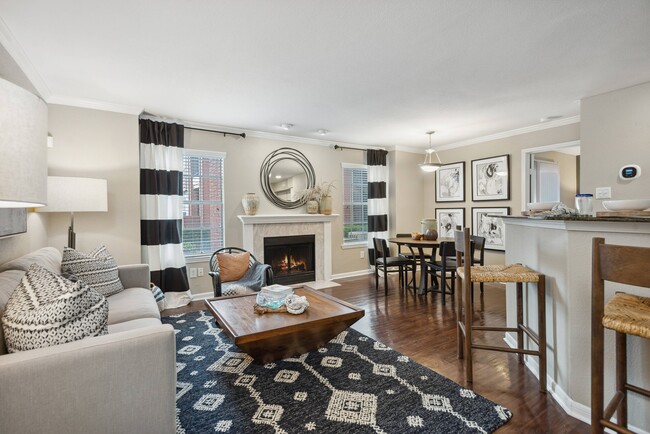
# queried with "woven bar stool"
point(626, 314)
point(515, 273)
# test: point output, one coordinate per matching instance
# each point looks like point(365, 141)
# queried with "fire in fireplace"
point(291, 258)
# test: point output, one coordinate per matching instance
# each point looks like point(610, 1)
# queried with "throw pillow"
point(159, 296)
point(233, 266)
point(47, 309)
point(98, 269)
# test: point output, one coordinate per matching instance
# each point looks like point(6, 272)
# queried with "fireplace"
point(292, 258)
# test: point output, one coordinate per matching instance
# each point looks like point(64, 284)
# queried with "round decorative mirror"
point(285, 175)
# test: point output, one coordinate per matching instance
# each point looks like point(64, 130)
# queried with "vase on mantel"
point(312, 206)
point(250, 202)
point(326, 205)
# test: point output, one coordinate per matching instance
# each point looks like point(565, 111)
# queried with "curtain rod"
point(348, 147)
point(242, 135)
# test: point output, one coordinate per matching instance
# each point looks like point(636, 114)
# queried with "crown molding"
point(510, 133)
point(16, 51)
point(95, 104)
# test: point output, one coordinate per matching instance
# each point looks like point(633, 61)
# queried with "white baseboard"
point(352, 274)
point(572, 408)
point(202, 296)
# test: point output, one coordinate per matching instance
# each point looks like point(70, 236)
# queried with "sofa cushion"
point(9, 280)
point(130, 304)
point(46, 309)
point(98, 269)
point(47, 257)
point(132, 325)
point(233, 266)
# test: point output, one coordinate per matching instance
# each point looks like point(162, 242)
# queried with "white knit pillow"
point(98, 269)
point(47, 309)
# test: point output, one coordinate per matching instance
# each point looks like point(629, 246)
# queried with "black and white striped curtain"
point(377, 199)
point(161, 207)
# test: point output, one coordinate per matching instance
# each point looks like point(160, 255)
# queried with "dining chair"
point(625, 314)
point(478, 256)
point(446, 265)
point(410, 255)
point(387, 263)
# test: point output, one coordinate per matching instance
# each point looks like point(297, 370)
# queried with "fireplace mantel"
point(256, 227)
point(285, 218)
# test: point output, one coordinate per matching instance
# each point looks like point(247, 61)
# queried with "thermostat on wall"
point(630, 171)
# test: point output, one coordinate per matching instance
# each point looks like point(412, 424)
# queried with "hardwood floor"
point(421, 328)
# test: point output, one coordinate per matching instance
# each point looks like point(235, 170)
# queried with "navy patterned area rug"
point(352, 385)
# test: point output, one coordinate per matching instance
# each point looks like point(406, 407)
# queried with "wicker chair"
point(258, 275)
point(626, 314)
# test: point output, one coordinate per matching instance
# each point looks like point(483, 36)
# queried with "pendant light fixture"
point(431, 160)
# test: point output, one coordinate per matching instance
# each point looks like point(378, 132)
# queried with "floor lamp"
point(67, 194)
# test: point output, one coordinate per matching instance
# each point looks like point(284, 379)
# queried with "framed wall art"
point(450, 183)
point(491, 178)
point(487, 224)
point(448, 219)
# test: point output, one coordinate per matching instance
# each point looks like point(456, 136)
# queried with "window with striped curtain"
point(355, 203)
point(202, 202)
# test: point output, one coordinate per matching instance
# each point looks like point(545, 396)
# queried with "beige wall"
point(568, 174)
point(98, 144)
point(511, 146)
point(243, 161)
point(615, 131)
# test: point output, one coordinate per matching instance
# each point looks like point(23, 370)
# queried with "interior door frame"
point(525, 163)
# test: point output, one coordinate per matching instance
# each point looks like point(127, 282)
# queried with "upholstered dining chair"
point(625, 314)
point(252, 273)
point(388, 264)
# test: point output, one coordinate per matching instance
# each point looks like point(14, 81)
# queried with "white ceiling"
point(372, 72)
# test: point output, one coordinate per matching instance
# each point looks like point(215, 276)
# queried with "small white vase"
point(250, 202)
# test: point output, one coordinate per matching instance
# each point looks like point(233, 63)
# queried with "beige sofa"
point(123, 382)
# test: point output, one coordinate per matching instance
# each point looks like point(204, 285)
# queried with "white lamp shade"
point(67, 194)
point(23, 148)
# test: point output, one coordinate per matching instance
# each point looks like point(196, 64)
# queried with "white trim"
point(95, 104)
point(354, 245)
point(203, 153)
point(510, 133)
point(202, 296)
point(351, 274)
point(195, 259)
point(16, 51)
point(524, 167)
point(353, 166)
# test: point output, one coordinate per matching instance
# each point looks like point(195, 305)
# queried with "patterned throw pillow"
point(47, 309)
point(233, 266)
point(97, 269)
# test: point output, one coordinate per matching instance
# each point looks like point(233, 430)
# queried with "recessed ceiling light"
point(551, 118)
point(322, 132)
point(286, 127)
point(278, 176)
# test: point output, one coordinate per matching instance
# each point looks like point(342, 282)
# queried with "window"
point(202, 202)
point(355, 203)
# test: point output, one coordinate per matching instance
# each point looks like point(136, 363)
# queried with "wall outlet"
point(200, 271)
point(604, 193)
point(362, 254)
point(192, 273)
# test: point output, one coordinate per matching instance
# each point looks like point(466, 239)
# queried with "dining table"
point(420, 245)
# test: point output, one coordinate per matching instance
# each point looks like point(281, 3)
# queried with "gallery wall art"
point(491, 179)
point(487, 223)
point(12, 221)
point(450, 183)
point(448, 219)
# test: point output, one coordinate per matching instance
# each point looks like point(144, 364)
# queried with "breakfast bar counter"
point(561, 249)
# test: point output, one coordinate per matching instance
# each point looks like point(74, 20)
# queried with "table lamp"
point(68, 194)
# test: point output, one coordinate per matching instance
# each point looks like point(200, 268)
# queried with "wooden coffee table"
point(274, 336)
